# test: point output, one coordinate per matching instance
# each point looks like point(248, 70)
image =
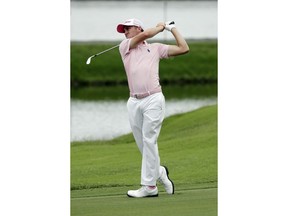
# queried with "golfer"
point(146, 105)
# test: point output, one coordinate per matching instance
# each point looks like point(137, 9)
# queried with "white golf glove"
point(169, 25)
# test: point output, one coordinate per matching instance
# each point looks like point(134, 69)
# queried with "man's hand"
point(162, 25)
point(169, 25)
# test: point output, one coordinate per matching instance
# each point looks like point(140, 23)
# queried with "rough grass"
point(198, 66)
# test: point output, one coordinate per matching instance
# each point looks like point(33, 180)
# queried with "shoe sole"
point(167, 172)
point(156, 195)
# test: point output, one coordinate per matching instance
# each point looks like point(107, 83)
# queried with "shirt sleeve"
point(124, 48)
point(163, 50)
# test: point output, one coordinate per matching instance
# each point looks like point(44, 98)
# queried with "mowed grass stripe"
point(161, 193)
point(195, 202)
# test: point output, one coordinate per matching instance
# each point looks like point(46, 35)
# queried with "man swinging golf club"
point(146, 105)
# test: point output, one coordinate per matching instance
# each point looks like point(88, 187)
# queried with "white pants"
point(146, 116)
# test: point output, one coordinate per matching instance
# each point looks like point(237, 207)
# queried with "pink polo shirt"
point(142, 65)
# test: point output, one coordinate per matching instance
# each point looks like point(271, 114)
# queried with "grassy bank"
point(198, 66)
point(120, 92)
point(103, 171)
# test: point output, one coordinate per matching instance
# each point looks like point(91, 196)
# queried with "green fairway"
point(103, 171)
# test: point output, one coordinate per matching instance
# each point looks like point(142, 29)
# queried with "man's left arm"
point(181, 47)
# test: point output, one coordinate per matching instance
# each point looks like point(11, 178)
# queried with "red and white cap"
point(129, 22)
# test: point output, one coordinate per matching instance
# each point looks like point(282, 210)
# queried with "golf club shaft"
point(106, 50)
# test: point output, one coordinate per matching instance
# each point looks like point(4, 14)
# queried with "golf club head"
point(88, 60)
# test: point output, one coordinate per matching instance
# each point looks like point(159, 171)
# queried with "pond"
point(103, 120)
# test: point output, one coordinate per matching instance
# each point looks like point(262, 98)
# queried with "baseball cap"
point(129, 22)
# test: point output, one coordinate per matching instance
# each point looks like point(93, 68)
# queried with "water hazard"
point(103, 120)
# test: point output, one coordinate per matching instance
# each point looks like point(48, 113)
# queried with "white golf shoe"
point(165, 181)
point(144, 191)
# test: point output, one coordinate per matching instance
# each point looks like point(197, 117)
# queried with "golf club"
point(89, 59)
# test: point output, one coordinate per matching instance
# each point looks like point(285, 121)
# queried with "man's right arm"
point(148, 33)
